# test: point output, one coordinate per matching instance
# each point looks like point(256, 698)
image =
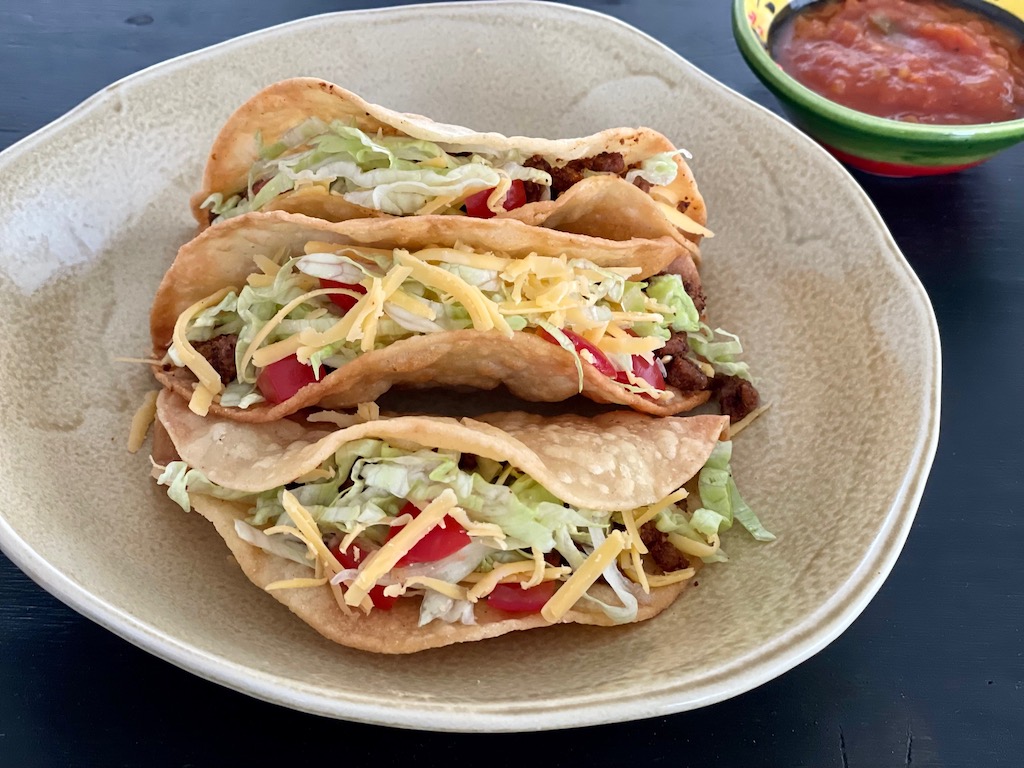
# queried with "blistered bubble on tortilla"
point(615, 461)
point(396, 630)
point(281, 106)
point(532, 368)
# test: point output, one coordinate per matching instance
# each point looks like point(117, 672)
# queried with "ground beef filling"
point(220, 353)
point(667, 557)
point(681, 372)
point(244, 194)
point(565, 176)
point(737, 397)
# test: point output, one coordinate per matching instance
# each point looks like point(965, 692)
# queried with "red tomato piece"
point(351, 558)
point(343, 300)
point(514, 599)
point(648, 371)
point(476, 204)
point(516, 197)
point(281, 380)
point(601, 361)
point(436, 545)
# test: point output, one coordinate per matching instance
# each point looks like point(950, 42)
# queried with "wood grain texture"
point(930, 675)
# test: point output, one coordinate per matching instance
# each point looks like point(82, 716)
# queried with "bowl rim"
point(759, 60)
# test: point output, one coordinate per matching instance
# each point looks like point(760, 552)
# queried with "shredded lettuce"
point(718, 493)
point(668, 291)
point(180, 481)
point(633, 297)
point(394, 174)
point(720, 353)
point(238, 395)
point(658, 170)
point(620, 614)
point(291, 549)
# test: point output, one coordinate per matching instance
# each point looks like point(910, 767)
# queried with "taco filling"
point(293, 323)
point(404, 176)
point(384, 521)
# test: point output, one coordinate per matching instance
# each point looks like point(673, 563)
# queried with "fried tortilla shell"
point(616, 461)
point(268, 115)
point(532, 368)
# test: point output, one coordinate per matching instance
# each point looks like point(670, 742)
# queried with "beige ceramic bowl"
point(839, 329)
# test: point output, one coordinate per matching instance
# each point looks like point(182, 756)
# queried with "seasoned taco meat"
point(220, 353)
point(565, 176)
point(642, 183)
point(681, 372)
point(677, 346)
point(737, 397)
point(662, 551)
point(684, 374)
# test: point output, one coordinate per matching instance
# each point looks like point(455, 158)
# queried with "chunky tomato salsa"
point(918, 61)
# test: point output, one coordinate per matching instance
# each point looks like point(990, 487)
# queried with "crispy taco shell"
point(532, 368)
point(639, 460)
point(268, 115)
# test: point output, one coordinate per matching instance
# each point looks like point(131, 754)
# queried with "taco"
point(269, 313)
point(400, 534)
point(307, 146)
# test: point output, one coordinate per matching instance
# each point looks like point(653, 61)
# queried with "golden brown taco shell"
point(281, 106)
point(639, 460)
point(532, 368)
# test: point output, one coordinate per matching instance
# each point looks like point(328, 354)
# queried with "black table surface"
point(931, 674)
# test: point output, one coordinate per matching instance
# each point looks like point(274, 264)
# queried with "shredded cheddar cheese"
point(688, 546)
point(659, 506)
point(209, 380)
point(551, 573)
point(490, 580)
point(384, 559)
point(683, 222)
point(143, 417)
point(583, 578)
point(453, 591)
point(295, 584)
point(275, 321)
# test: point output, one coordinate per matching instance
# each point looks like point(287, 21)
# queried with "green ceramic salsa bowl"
point(874, 144)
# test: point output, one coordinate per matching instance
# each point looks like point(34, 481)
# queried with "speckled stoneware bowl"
point(874, 144)
point(839, 330)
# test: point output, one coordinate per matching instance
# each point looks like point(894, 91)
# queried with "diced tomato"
point(343, 300)
point(476, 204)
point(648, 371)
point(601, 361)
point(281, 380)
point(351, 558)
point(514, 599)
point(516, 197)
point(436, 545)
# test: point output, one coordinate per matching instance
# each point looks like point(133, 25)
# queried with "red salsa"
point(914, 60)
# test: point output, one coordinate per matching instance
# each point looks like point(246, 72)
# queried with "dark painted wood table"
point(932, 674)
